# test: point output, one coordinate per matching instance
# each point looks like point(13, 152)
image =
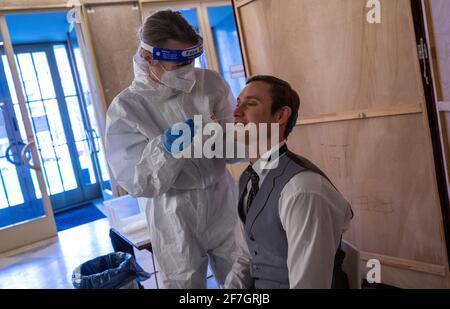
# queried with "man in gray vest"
point(292, 217)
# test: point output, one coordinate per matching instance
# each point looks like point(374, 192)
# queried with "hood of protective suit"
point(143, 84)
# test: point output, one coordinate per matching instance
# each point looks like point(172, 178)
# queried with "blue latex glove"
point(170, 138)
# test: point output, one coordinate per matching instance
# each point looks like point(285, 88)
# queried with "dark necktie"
point(254, 178)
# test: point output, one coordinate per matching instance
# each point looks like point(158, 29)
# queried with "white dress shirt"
point(314, 216)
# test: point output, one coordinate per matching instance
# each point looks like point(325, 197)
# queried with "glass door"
point(226, 45)
point(20, 197)
point(93, 156)
point(26, 215)
point(53, 103)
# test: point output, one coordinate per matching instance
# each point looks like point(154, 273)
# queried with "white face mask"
point(182, 79)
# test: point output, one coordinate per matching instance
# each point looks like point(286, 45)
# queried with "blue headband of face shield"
point(175, 55)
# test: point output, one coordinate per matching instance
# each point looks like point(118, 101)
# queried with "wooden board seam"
point(25, 9)
point(434, 269)
point(94, 4)
point(362, 114)
point(241, 3)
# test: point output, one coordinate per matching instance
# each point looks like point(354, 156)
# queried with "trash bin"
point(116, 270)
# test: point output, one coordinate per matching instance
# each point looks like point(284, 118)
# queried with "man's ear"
point(283, 114)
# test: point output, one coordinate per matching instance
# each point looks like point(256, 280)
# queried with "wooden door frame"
point(421, 33)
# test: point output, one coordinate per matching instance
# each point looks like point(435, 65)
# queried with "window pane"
point(64, 70)
point(37, 190)
point(87, 169)
point(12, 90)
point(76, 119)
point(226, 40)
point(102, 160)
point(18, 114)
point(10, 182)
point(82, 145)
point(55, 122)
point(28, 76)
point(4, 140)
point(82, 72)
point(191, 16)
point(44, 77)
point(65, 167)
point(53, 178)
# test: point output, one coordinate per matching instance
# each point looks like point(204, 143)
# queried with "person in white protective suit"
point(190, 210)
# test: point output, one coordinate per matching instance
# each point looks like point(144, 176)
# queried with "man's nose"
point(238, 112)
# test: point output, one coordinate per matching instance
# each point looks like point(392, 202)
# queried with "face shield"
point(173, 55)
point(183, 78)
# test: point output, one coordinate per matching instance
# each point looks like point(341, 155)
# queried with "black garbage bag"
point(116, 270)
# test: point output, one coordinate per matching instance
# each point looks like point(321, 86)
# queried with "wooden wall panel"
point(34, 4)
point(409, 279)
point(386, 177)
point(258, 40)
point(113, 30)
point(342, 65)
point(29, 4)
point(106, 1)
point(335, 48)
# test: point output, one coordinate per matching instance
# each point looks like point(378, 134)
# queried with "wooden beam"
point(240, 3)
point(363, 114)
point(205, 29)
point(29, 9)
point(242, 40)
point(93, 3)
point(434, 269)
point(101, 107)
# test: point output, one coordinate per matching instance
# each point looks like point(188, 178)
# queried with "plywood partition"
point(113, 29)
point(51, 4)
point(362, 119)
point(32, 4)
point(378, 172)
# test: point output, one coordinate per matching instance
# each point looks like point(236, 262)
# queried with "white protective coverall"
point(191, 202)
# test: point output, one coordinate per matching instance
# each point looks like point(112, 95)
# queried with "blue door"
point(20, 197)
point(62, 138)
point(97, 153)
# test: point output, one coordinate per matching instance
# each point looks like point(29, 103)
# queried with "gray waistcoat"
point(265, 235)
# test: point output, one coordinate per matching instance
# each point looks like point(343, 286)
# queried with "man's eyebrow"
point(252, 98)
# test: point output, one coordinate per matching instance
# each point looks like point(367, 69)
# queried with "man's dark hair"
point(165, 25)
point(282, 95)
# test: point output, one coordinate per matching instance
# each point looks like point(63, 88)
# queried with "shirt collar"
point(266, 162)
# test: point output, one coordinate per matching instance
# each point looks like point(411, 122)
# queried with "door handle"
point(95, 146)
point(92, 144)
point(8, 153)
point(96, 138)
point(25, 160)
point(89, 141)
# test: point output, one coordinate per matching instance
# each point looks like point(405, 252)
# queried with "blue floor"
point(77, 216)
